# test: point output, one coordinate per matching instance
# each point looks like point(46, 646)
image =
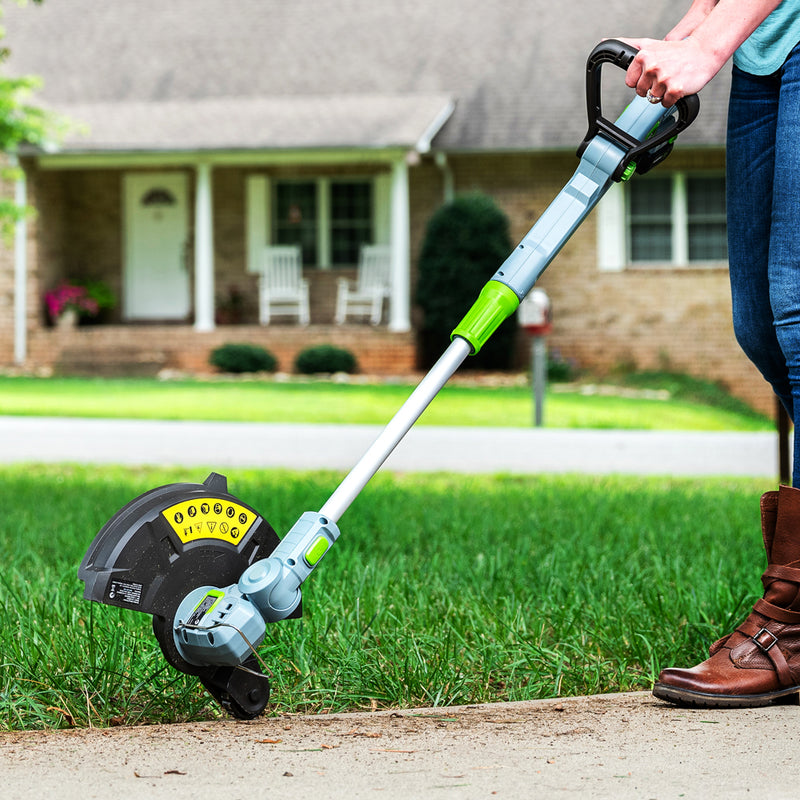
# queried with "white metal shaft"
point(398, 427)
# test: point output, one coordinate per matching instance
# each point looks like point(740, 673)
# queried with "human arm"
point(691, 20)
point(695, 50)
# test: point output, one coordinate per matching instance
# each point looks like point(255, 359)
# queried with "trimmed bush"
point(465, 243)
point(242, 357)
point(559, 369)
point(325, 358)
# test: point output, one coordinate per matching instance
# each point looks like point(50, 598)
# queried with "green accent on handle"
point(495, 304)
point(629, 170)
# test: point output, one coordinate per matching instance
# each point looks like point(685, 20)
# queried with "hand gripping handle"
point(615, 52)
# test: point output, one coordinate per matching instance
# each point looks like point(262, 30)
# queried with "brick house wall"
point(677, 319)
point(77, 228)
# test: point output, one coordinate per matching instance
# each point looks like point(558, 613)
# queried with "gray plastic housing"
point(589, 183)
point(223, 632)
point(273, 584)
point(215, 626)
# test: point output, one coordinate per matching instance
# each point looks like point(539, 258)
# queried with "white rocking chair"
point(371, 286)
point(281, 286)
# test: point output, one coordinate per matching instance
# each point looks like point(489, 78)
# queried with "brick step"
point(141, 350)
point(110, 362)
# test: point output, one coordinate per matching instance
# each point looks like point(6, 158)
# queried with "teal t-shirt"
point(769, 45)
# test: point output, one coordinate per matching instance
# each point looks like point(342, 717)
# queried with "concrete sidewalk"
point(424, 449)
point(616, 747)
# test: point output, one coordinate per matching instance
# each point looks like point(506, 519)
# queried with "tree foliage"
point(21, 122)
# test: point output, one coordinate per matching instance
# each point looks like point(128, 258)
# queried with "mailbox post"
point(536, 319)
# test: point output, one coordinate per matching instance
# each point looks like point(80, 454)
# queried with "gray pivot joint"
point(273, 584)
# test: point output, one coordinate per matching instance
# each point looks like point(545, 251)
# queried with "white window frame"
point(613, 230)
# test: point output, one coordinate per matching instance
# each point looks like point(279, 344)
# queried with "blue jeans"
point(763, 186)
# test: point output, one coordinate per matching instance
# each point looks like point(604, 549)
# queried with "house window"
point(676, 219)
point(708, 238)
point(296, 217)
point(351, 220)
point(329, 218)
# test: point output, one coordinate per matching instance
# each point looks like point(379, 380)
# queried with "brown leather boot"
point(759, 663)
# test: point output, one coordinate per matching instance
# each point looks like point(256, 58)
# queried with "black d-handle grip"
point(611, 50)
point(621, 54)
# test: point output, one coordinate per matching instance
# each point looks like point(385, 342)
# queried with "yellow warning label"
point(209, 518)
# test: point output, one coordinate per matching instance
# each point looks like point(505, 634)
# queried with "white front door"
point(156, 284)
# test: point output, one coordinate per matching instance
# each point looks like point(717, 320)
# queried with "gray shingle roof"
point(312, 73)
point(216, 123)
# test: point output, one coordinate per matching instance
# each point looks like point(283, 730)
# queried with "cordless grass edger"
point(211, 570)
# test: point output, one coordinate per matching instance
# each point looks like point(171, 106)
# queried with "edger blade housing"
point(168, 542)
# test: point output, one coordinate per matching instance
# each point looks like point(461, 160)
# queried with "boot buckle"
point(765, 640)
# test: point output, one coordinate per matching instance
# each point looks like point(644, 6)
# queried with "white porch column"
point(20, 271)
point(203, 251)
point(399, 303)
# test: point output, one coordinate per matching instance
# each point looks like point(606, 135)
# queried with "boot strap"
point(767, 642)
point(778, 572)
point(777, 613)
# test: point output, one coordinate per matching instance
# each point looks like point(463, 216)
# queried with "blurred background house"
point(206, 132)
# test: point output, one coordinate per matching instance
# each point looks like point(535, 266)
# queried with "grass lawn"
point(694, 406)
point(442, 590)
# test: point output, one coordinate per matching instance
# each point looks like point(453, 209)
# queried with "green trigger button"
point(316, 551)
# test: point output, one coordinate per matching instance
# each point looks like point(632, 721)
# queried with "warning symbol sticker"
point(195, 519)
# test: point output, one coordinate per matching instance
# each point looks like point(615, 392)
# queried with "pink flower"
point(69, 296)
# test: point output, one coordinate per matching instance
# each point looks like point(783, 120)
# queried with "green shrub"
point(559, 369)
point(102, 294)
point(242, 357)
point(325, 358)
point(465, 243)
